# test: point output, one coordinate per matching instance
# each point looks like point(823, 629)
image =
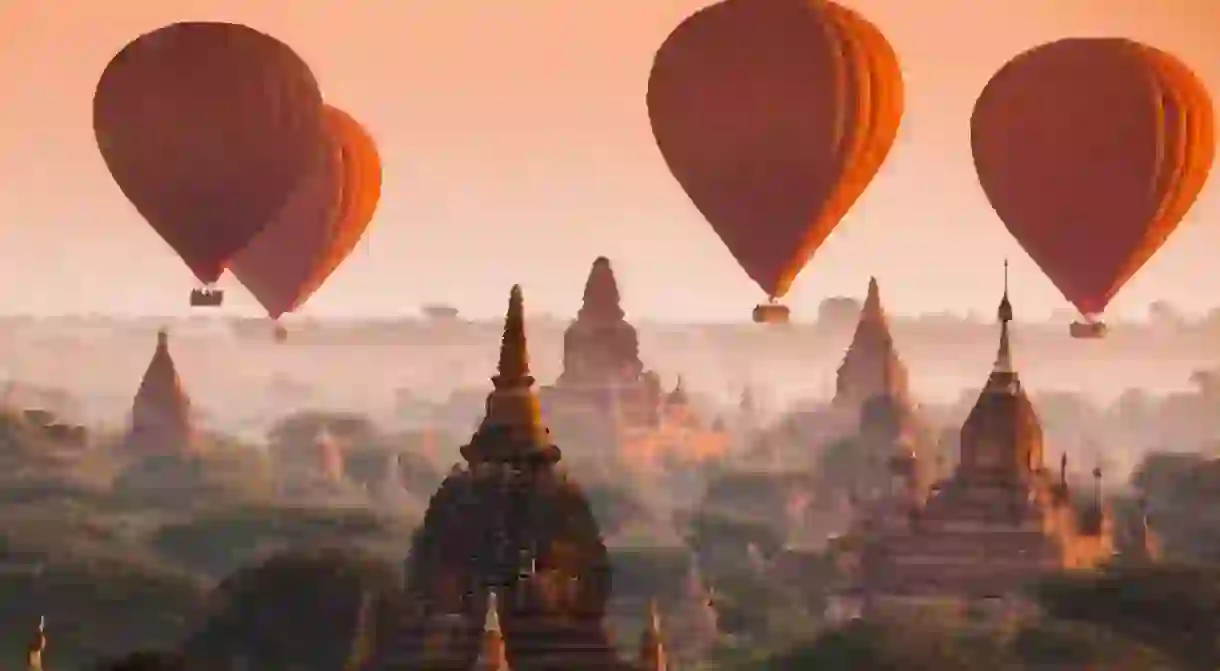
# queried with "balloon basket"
point(280, 334)
point(207, 298)
point(771, 313)
point(1088, 330)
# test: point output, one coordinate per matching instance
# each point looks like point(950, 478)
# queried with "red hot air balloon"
point(774, 116)
point(207, 129)
point(1091, 150)
point(320, 225)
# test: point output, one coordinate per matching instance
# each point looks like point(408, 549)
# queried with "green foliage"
point(219, 541)
point(1070, 645)
point(1174, 610)
point(144, 660)
point(872, 646)
point(649, 573)
point(297, 610)
point(96, 605)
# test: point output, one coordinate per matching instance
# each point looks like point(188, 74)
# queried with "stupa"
point(507, 522)
point(608, 402)
point(1000, 520)
point(161, 411)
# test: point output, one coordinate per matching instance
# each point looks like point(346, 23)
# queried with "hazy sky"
point(517, 148)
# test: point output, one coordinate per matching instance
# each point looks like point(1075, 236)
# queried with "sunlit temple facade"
point(161, 411)
point(606, 400)
point(509, 569)
point(1001, 519)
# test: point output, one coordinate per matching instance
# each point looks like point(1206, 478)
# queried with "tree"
point(305, 610)
point(1174, 610)
point(891, 646)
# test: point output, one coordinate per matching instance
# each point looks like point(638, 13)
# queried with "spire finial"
point(872, 301)
point(514, 367)
point(1003, 359)
point(1005, 311)
point(652, 649)
point(491, 622)
point(602, 300)
point(37, 646)
point(492, 655)
point(512, 429)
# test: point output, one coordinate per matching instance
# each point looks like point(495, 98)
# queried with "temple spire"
point(871, 366)
point(513, 370)
point(160, 413)
point(512, 429)
point(37, 646)
point(652, 649)
point(871, 309)
point(1003, 358)
point(602, 301)
point(492, 656)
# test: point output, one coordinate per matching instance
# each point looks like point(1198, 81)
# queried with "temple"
point(606, 399)
point(652, 648)
point(507, 522)
point(161, 411)
point(871, 367)
point(1000, 520)
point(37, 647)
point(871, 423)
point(491, 654)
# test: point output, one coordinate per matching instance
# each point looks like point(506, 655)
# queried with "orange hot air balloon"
point(207, 128)
point(774, 116)
point(321, 224)
point(1091, 150)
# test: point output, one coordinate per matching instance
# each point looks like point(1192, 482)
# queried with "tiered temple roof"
point(999, 520)
point(871, 367)
point(161, 411)
point(507, 521)
point(600, 346)
point(605, 399)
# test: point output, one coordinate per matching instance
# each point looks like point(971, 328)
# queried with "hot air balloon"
point(207, 128)
point(774, 116)
point(1091, 150)
point(319, 226)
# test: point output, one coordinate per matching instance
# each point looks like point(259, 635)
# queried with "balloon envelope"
point(321, 223)
point(207, 128)
point(1091, 150)
point(774, 116)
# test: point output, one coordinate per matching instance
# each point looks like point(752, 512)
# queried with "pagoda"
point(506, 522)
point(1000, 520)
point(871, 366)
point(161, 411)
point(606, 400)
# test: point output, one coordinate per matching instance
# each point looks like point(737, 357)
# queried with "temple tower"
point(652, 647)
point(161, 411)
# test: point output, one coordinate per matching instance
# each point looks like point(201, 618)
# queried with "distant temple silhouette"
point(872, 406)
point(161, 411)
point(998, 521)
point(509, 550)
point(606, 399)
point(871, 366)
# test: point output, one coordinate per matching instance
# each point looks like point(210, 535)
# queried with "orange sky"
point(517, 148)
